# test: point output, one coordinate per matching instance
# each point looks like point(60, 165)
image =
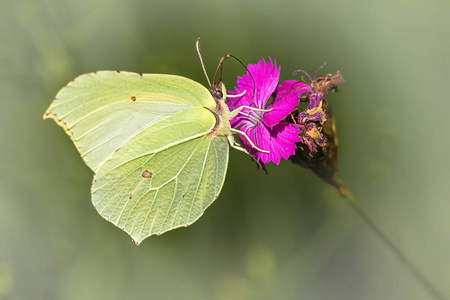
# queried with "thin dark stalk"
point(412, 269)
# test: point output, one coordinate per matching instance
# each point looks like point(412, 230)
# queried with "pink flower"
point(266, 128)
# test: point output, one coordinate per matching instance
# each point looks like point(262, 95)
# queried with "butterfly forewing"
point(101, 111)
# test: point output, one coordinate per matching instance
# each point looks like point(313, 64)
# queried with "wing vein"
point(171, 203)
point(145, 220)
point(198, 185)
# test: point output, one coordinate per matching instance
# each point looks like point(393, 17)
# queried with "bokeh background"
point(286, 235)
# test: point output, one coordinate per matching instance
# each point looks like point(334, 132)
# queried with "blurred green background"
point(286, 235)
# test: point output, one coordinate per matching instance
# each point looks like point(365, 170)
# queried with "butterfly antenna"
point(253, 80)
point(197, 45)
point(219, 67)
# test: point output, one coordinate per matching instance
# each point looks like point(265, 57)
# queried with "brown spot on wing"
point(147, 174)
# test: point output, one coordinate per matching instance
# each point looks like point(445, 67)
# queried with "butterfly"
point(158, 145)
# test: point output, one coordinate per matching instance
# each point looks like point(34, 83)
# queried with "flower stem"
point(412, 269)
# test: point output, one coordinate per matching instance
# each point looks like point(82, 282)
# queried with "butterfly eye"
point(219, 94)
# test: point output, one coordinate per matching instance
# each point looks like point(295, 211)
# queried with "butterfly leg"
point(236, 145)
point(233, 130)
point(239, 147)
point(238, 110)
point(238, 95)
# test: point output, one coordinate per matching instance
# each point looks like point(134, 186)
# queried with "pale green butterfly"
point(157, 144)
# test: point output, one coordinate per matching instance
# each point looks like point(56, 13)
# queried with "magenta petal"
point(290, 88)
point(286, 100)
point(250, 132)
point(265, 129)
point(245, 83)
point(266, 76)
point(279, 140)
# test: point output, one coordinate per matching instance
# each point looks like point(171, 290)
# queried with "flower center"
point(255, 117)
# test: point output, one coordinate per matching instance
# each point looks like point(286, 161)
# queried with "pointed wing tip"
point(137, 240)
point(50, 115)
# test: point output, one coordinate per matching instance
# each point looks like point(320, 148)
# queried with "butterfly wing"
point(101, 111)
point(161, 190)
point(146, 137)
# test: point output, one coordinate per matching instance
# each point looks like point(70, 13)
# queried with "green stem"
point(413, 270)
